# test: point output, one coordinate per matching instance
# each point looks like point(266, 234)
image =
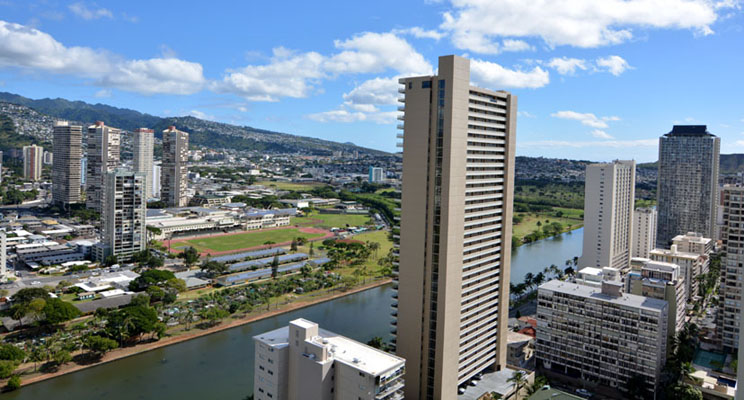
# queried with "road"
point(36, 281)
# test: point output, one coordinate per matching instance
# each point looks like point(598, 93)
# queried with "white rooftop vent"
point(356, 360)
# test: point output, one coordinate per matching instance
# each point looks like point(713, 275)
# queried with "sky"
point(595, 80)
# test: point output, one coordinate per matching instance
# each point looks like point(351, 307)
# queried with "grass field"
point(289, 185)
point(330, 220)
point(248, 239)
point(570, 216)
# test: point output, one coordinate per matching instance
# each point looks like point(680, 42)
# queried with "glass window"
point(425, 84)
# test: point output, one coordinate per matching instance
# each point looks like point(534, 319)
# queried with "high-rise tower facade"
point(32, 160)
point(455, 229)
point(174, 170)
point(608, 214)
point(124, 213)
point(143, 143)
point(66, 172)
point(104, 143)
point(687, 183)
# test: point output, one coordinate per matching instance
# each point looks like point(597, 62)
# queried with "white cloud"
point(525, 114)
point(84, 12)
point(600, 134)
point(347, 116)
point(587, 119)
point(420, 33)
point(615, 65)
point(290, 74)
point(201, 115)
point(490, 74)
point(578, 144)
point(103, 93)
point(515, 45)
point(377, 91)
point(567, 66)
point(29, 48)
point(477, 25)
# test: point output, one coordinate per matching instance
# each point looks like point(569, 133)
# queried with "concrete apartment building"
point(692, 253)
point(142, 146)
point(376, 175)
point(302, 361)
point(687, 183)
point(174, 173)
point(609, 198)
point(644, 231)
point(123, 216)
point(600, 337)
point(66, 170)
point(32, 162)
point(663, 281)
point(104, 145)
point(732, 267)
point(455, 229)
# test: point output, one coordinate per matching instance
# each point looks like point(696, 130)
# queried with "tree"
point(312, 250)
point(377, 343)
point(301, 240)
point(61, 357)
point(57, 311)
point(374, 247)
point(214, 268)
point(14, 383)
point(636, 386)
point(214, 314)
point(7, 367)
point(151, 277)
point(275, 267)
point(156, 293)
point(190, 256)
point(684, 392)
point(293, 246)
point(37, 355)
point(519, 380)
point(110, 260)
point(99, 345)
point(11, 353)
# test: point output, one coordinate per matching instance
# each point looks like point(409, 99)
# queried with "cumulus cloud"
point(377, 91)
point(478, 25)
point(420, 33)
point(600, 134)
point(490, 74)
point(291, 74)
point(83, 11)
point(567, 66)
point(344, 115)
point(29, 48)
point(615, 65)
point(587, 119)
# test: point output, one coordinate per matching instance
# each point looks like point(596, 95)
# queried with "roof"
point(591, 271)
point(689, 130)
point(249, 254)
point(591, 292)
point(111, 302)
point(553, 394)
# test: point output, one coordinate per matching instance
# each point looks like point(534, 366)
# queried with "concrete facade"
point(104, 146)
point(124, 214)
point(142, 147)
point(608, 215)
point(302, 361)
point(732, 267)
point(174, 174)
point(687, 183)
point(32, 162)
point(66, 169)
point(644, 231)
point(455, 229)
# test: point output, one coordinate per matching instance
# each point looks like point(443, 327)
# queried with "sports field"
point(329, 221)
point(248, 239)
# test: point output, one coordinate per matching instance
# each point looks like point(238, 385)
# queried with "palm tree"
point(529, 279)
point(518, 379)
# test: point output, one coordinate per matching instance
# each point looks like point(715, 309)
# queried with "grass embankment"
point(328, 221)
point(248, 239)
point(293, 186)
point(570, 219)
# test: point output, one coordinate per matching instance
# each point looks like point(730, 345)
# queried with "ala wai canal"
point(220, 366)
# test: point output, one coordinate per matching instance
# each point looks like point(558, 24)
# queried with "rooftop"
point(627, 300)
point(689, 130)
point(552, 394)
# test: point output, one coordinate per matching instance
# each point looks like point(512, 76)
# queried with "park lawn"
point(294, 186)
point(571, 216)
point(329, 221)
point(248, 239)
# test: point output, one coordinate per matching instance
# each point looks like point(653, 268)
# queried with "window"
point(426, 85)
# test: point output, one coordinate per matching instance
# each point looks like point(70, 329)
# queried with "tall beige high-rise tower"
point(66, 173)
point(143, 144)
point(455, 229)
point(174, 174)
point(609, 197)
point(104, 143)
point(124, 214)
point(32, 160)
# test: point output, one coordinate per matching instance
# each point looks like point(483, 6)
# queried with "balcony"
point(402, 108)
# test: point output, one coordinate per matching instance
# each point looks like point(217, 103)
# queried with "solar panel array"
point(245, 276)
point(249, 254)
point(242, 266)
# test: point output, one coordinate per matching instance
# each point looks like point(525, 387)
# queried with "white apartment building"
point(142, 146)
point(104, 145)
point(644, 231)
point(692, 253)
point(608, 215)
point(302, 361)
point(601, 337)
point(66, 169)
point(32, 162)
point(174, 170)
point(732, 267)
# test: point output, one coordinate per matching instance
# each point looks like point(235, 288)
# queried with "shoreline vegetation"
point(31, 375)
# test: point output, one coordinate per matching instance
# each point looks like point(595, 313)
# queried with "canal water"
point(220, 366)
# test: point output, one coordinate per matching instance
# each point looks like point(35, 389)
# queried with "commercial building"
point(692, 253)
point(174, 173)
point(32, 162)
point(156, 177)
point(104, 144)
point(732, 267)
point(601, 337)
point(644, 231)
point(455, 230)
point(687, 183)
point(66, 170)
point(608, 214)
point(142, 146)
point(302, 361)
point(376, 175)
point(123, 215)
point(663, 281)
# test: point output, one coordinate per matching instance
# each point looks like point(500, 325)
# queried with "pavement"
point(35, 281)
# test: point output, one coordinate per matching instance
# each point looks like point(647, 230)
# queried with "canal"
point(220, 366)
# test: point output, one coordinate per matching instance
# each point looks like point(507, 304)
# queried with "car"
point(460, 390)
point(36, 283)
point(473, 383)
point(583, 393)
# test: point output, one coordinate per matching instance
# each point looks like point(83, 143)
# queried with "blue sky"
point(596, 80)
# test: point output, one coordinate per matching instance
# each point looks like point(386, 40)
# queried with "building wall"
point(66, 168)
point(270, 372)
point(608, 215)
point(732, 266)
point(104, 145)
point(458, 157)
point(174, 169)
point(124, 213)
point(143, 144)
point(644, 231)
point(32, 162)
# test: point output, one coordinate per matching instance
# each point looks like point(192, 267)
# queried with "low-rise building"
point(691, 265)
point(302, 361)
point(600, 337)
point(520, 349)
